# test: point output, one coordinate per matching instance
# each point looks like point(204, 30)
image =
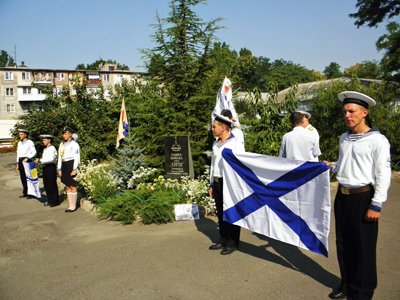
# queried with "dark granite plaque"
point(178, 157)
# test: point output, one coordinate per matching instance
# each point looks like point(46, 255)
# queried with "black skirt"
point(66, 168)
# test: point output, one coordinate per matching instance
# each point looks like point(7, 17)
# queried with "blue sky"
point(63, 33)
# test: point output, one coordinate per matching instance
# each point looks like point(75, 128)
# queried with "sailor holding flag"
point(363, 171)
point(229, 233)
point(288, 200)
point(25, 153)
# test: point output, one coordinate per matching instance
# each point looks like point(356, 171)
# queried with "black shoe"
point(339, 293)
point(228, 250)
point(70, 210)
point(30, 197)
point(216, 246)
point(23, 196)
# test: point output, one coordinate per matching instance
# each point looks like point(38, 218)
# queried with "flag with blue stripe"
point(32, 179)
point(123, 127)
point(284, 199)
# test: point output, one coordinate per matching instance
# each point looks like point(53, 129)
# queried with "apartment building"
point(19, 92)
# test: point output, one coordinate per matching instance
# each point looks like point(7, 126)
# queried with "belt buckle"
point(345, 191)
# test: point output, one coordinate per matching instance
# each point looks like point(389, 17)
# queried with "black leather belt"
point(346, 191)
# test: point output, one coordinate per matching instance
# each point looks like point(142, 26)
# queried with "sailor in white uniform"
point(48, 160)
point(363, 171)
point(229, 233)
point(299, 143)
point(68, 161)
point(26, 151)
point(310, 128)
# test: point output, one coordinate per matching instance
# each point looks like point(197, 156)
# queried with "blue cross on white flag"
point(287, 200)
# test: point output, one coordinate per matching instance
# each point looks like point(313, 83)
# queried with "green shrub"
point(157, 212)
point(150, 206)
point(124, 207)
point(160, 206)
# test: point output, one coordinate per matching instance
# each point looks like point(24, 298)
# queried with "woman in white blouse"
point(68, 161)
point(48, 160)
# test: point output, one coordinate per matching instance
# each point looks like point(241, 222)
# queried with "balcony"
point(43, 78)
point(44, 81)
point(93, 82)
point(30, 97)
point(28, 94)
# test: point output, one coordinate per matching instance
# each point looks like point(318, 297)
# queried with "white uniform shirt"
point(299, 144)
point(69, 151)
point(238, 133)
point(314, 133)
point(365, 161)
point(26, 149)
point(216, 161)
point(49, 155)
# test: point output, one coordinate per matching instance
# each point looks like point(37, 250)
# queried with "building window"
point(10, 108)
point(26, 90)
point(8, 76)
point(60, 76)
point(26, 76)
point(119, 79)
point(106, 77)
point(9, 92)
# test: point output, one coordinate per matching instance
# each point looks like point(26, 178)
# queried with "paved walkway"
point(48, 254)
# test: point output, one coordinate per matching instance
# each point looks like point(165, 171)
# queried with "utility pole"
point(15, 55)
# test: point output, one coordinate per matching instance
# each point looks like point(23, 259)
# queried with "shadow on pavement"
point(208, 227)
point(288, 256)
point(301, 262)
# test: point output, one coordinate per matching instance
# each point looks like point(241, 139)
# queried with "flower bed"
point(148, 198)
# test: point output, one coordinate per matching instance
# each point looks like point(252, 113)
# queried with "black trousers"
point(50, 183)
point(356, 244)
point(230, 234)
point(22, 175)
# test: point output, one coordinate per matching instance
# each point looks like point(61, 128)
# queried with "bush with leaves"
point(160, 206)
point(141, 176)
point(192, 190)
point(93, 118)
point(265, 122)
point(124, 207)
point(97, 180)
point(145, 205)
point(153, 202)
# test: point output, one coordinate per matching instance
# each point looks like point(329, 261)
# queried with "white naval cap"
point(356, 97)
point(307, 114)
point(46, 136)
point(223, 119)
